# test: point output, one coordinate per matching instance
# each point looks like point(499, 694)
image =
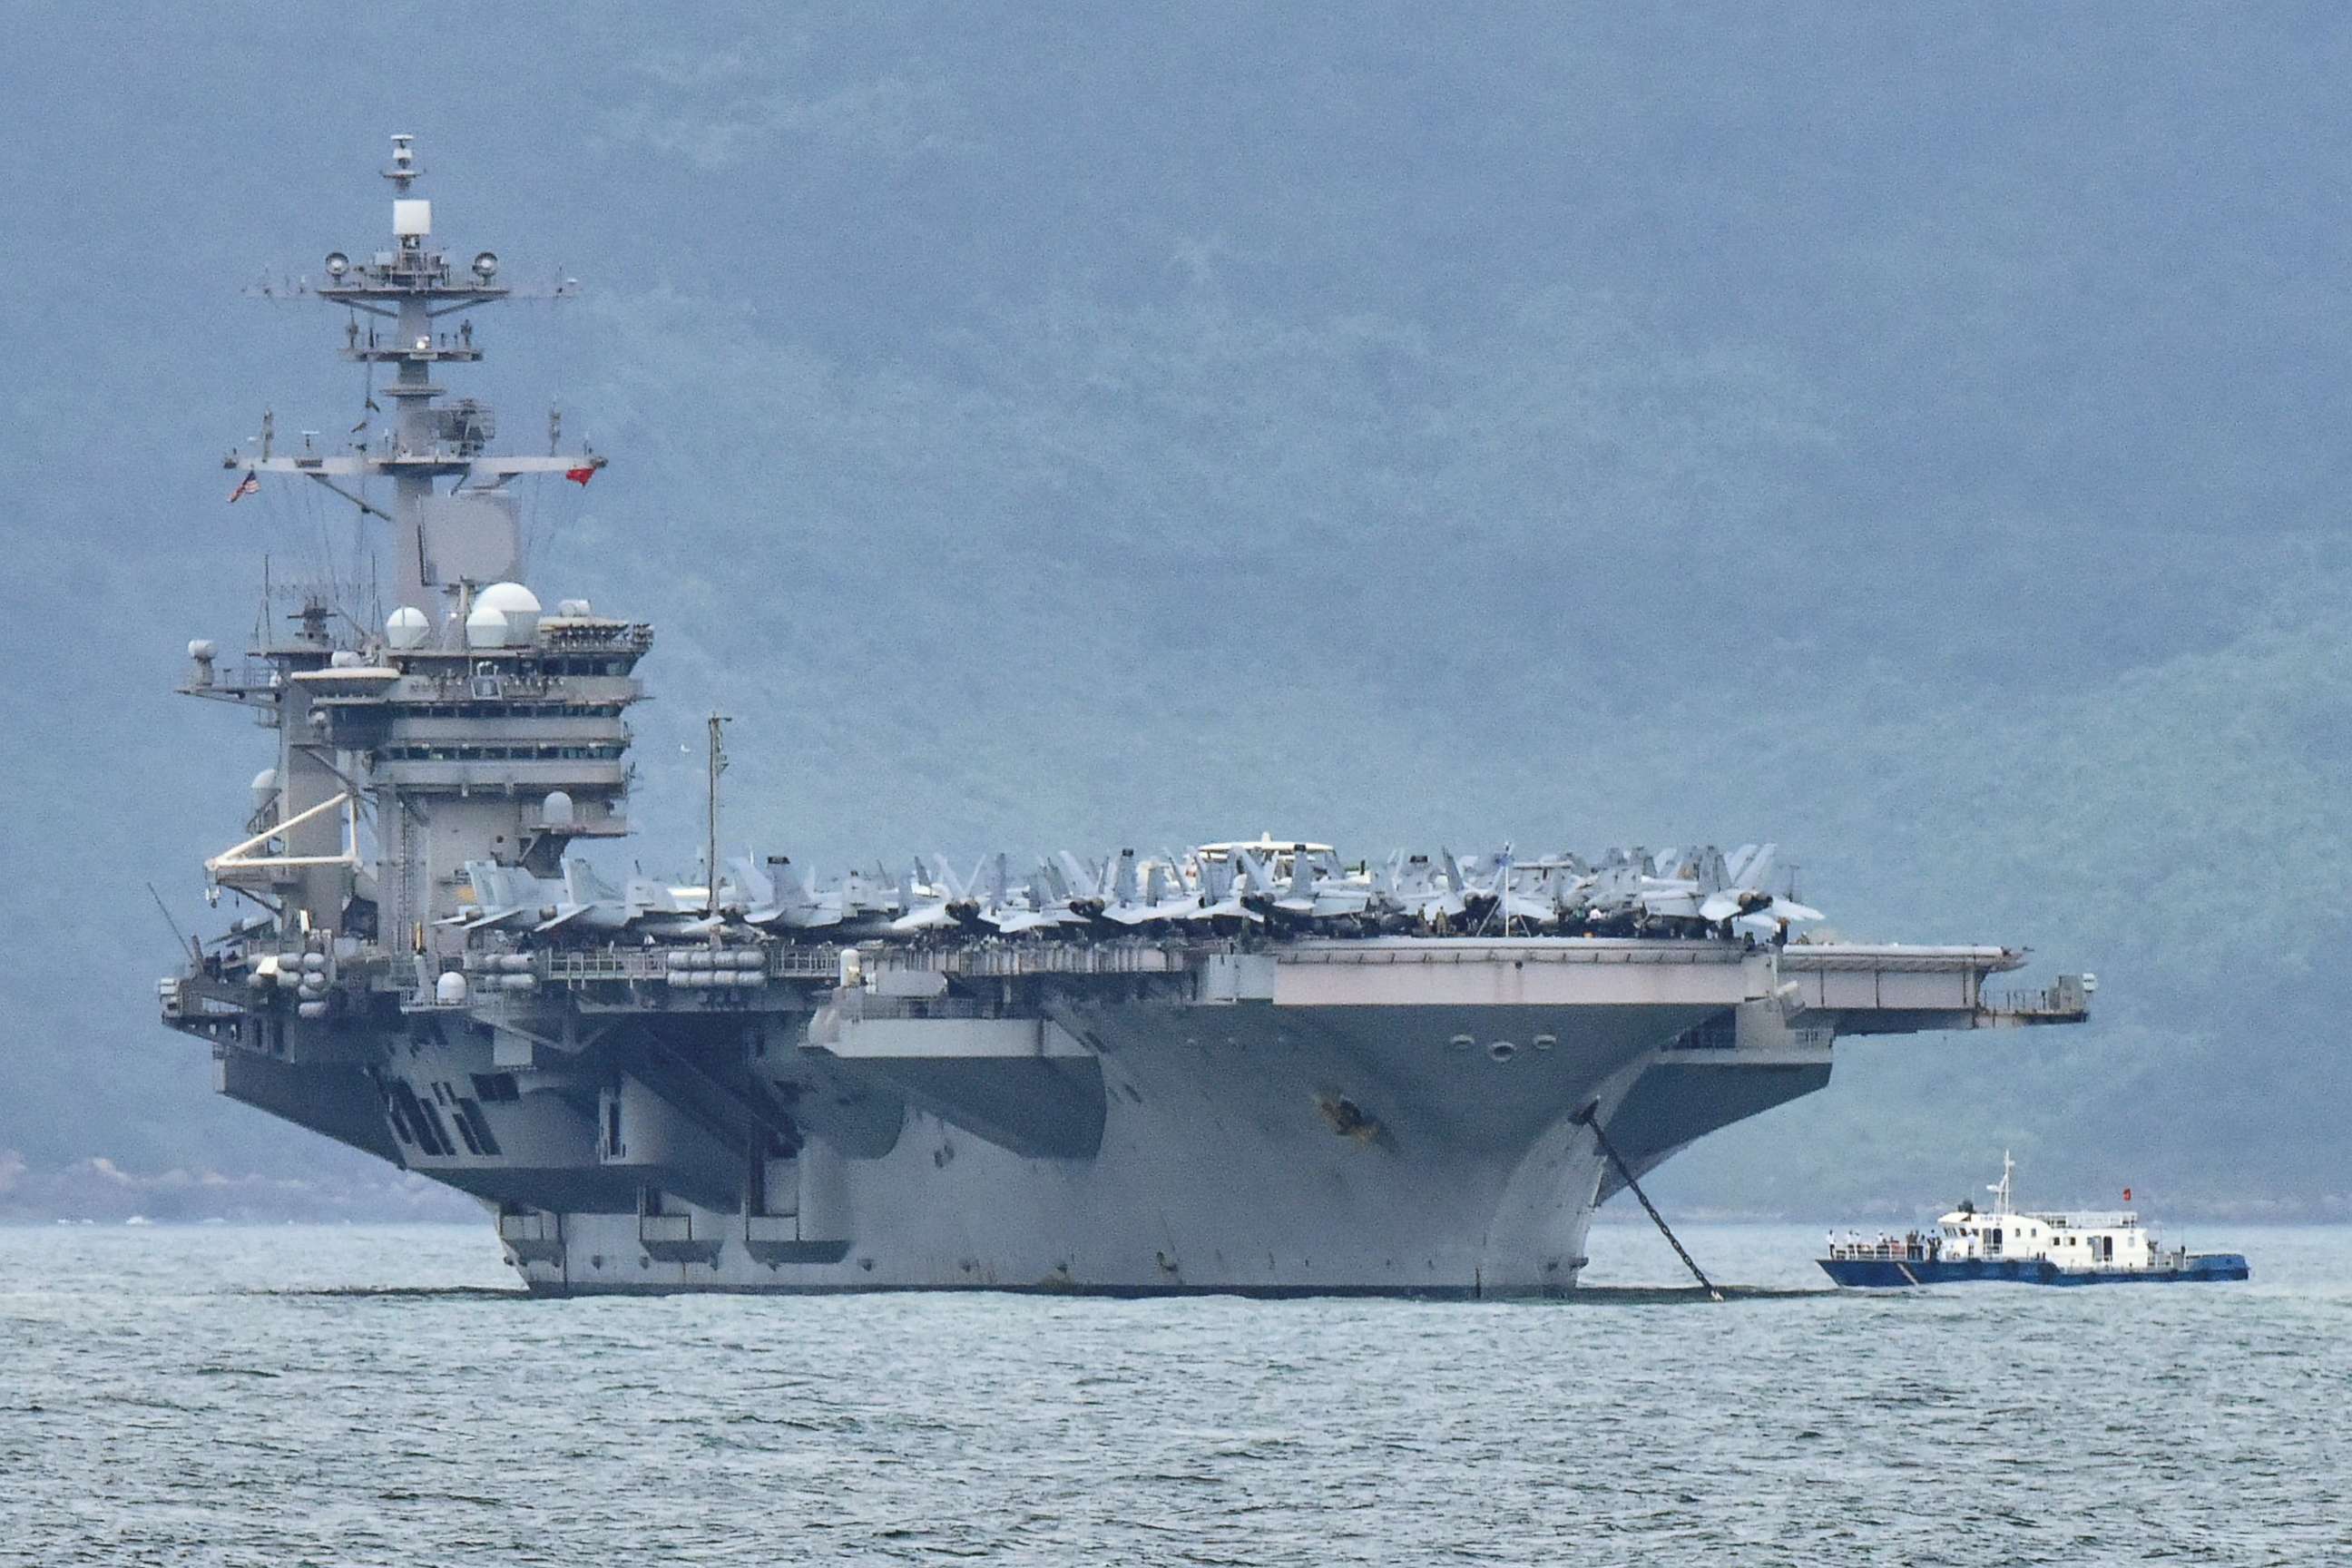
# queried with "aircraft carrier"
point(1246, 1066)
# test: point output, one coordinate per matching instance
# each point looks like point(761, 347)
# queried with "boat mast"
point(2001, 1199)
point(718, 764)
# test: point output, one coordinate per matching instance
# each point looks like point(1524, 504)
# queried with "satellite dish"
point(337, 264)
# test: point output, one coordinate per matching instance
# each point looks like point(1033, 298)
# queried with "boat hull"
point(1894, 1273)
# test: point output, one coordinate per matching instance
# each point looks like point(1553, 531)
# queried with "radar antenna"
point(467, 534)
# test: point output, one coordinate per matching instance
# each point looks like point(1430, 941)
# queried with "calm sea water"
point(231, 1395)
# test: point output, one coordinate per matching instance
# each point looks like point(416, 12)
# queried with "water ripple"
point(230, 1396)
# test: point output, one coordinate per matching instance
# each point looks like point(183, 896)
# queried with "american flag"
point(244, 487)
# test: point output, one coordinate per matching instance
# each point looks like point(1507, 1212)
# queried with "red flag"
point(581, 474)
point(2127, 1195)
point(244, 487)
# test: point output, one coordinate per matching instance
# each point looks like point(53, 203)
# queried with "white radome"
point(487, 627)
point(407, 627)
point(518, 604)
point(505, 615)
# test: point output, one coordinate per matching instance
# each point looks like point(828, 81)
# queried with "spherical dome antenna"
point(509, 596)
point(518, 604)
point(486, 626)
point(407, 627)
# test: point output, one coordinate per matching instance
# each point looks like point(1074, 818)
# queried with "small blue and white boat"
point(2070, 1248)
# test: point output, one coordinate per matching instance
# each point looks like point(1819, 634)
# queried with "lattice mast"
point(442, 540)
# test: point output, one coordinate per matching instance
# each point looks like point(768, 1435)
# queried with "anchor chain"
point(1590, 1117)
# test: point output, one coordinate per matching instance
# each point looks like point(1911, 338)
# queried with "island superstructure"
point(1244, 1065)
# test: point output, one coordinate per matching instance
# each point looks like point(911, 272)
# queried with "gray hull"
point(1397, 1116)
point(1324, 1152)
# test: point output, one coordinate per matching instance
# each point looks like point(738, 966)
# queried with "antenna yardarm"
point(406, 289)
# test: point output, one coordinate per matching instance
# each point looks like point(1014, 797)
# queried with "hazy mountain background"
point(1913, 434)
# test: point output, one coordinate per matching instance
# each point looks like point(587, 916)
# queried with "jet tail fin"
point(583, 885)
point(1084, 883)
point(1217, 879)
point(1302, 877)
point(752, 888)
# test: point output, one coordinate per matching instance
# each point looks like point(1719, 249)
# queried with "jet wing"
point(1719, 907)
